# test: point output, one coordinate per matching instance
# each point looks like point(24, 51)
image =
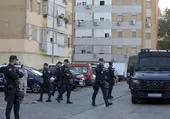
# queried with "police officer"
point(110, 77)
point(100, 82)
point(46, 83)
point(12, 76)
point(57, 81)
point(65, 81)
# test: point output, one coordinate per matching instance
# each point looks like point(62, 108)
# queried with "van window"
point(78, 69)
point(132, 61)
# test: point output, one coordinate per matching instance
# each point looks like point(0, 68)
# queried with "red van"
point(84, 71)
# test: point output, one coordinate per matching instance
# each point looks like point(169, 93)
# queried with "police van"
point(151, 78)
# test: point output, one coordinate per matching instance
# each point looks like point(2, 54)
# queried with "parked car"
point(34, 79)
point(1, 81)
point(74, 82)
point(85, 76)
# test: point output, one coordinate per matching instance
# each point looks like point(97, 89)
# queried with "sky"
point(163, 4)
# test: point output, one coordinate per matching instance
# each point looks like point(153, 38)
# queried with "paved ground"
point(81, 109)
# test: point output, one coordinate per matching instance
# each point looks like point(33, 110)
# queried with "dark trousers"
point(58, 86)
point(65, 87)
point(54, 87)
point(110, 89)
point(96, 88)
point(12, 101)
point(47, 87)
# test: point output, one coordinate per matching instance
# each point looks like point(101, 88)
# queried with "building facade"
point(113, 29)
point(27, 30)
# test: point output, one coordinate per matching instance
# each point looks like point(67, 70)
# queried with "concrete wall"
point(12, 19)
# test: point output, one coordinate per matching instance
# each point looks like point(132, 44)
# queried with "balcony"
point(95, 8)
point(108, 25)
point(92, 25)
point(91, 57)
point(108, 41)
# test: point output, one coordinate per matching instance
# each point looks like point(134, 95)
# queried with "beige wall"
point(27, 51)
point(13, 18)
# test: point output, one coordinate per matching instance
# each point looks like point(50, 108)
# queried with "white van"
point(121, 70)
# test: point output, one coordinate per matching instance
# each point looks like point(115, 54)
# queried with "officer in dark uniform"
point(12, 76)
point(100, 82)
point(46, 83)
point(57, 81)
point(111, 78)
point(65, 81)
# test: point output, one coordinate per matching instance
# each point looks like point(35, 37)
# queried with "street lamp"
point(52, 39)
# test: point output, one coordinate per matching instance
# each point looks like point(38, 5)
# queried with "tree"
point(164, 45)
point(164, 31)
point(164, 26)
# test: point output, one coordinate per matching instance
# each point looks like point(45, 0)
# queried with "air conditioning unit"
point(133, 22)
point(61, 16)
point(88, 6)
point(43, 47)
point(96, 23)
point(65, 1)
point(119, 23)
point(59, 22)
point(94, 56)
point(148, 25)
point(79, 23)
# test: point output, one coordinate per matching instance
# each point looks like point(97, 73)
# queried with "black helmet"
point(19, 96)
point(45, 64)
point(101, 59)
point(66, 61)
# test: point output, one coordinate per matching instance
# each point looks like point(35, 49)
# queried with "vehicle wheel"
point(84, 84)
point(35, 87)
point(134, 100)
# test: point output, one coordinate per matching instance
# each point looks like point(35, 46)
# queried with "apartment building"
point(113, 29)
point(28, 29)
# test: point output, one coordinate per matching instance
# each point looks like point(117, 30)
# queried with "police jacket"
point(65, 74)
point(46, 75)
point(110, 74)
point(100, 74)
point(12, 76)
point(58, 73)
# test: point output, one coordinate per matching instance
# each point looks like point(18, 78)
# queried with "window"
point(148, 4)
point(133, 50)
point(83, 51)
point(78, 69)
point(30, 5)
point(133, 34)
point(30, 32)
point(38, 8)
point(119, 2)
point(134, 17)
point(84, 3)
point(119, 34)
point(119, 50)
point(107, 35)
point(101, 18)
point(119, 17)
point(38, 34)
point(102, 2)
point(148, 35)
point(133, 2)
point(79, 3)
point(148, 19)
